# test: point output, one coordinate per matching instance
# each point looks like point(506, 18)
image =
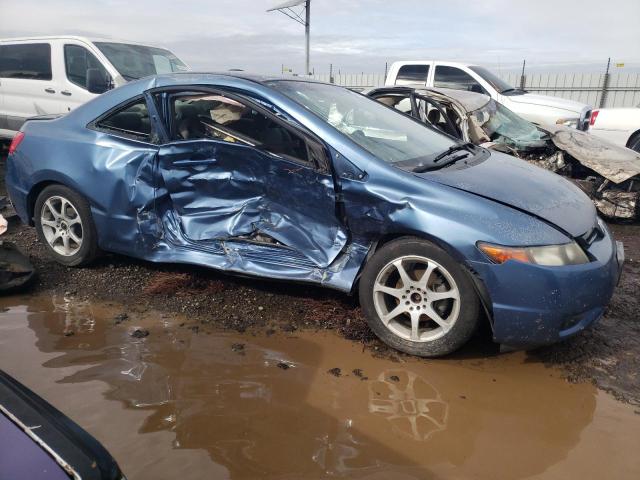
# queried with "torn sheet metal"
point(611, 161)
point(617, 204)
point(16, 271)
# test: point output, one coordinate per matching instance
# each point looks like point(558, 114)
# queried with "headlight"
point(568, 122)
point(548, 255)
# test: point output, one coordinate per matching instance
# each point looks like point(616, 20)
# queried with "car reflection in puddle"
point(412, 405)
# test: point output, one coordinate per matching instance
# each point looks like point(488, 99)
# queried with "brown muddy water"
point(180, 404)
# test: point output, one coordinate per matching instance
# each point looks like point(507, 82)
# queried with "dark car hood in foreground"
point(526, 187)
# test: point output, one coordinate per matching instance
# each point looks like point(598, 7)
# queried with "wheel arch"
point(40, 184)
point(478, 284)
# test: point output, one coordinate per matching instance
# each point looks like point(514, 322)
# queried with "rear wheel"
point(418, 299)
point(65, 225)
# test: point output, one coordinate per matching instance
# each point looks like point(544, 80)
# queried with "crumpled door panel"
point(223, 191)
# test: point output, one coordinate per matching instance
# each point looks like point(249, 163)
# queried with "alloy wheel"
point(416, 298)
point(61, 225)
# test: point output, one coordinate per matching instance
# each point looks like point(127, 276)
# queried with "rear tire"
point(65, 225)
point(428, 317)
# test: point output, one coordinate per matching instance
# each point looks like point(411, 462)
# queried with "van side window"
point(77, 60)
point(130, 121)
point(452, 77)
point(412, 74)
point(26, 60)
point(209, 115)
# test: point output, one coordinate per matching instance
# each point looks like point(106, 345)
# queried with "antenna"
point(286, 8)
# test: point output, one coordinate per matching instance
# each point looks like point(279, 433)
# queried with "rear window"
point(131, 121)
point(30, 61)
point(412, 74)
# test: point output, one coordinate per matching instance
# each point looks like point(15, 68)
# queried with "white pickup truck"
point(541, 109)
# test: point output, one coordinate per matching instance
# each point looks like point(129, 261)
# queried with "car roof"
point(179, 77)
point(470, 101)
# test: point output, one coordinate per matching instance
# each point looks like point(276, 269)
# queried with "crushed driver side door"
point(235, 172)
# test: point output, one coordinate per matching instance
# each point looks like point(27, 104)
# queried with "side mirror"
point(97, 80)
point(477, 88)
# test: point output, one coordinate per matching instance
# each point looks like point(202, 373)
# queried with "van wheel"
point(65, 225)
point(418, 299)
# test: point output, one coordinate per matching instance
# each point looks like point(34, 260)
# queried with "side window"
point(444, 119)
point(452, 77)
point(206, 115)
point(29, 61)
point(77, 60)
point(412, 74)
point(401, 103)
point(130, 121)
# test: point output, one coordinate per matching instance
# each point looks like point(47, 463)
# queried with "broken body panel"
point(608, 173)
point(236, 208)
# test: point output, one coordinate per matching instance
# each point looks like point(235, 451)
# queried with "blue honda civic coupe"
point(304, 181)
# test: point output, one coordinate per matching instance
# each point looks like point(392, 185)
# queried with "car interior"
point(133, 119)
point(223, 118)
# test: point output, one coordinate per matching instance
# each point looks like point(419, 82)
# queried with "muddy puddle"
point(179, 403)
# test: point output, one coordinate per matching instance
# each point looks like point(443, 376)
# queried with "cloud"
point(354, 36)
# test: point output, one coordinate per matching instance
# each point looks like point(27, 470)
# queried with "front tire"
point(65, 226)
point(418, 299)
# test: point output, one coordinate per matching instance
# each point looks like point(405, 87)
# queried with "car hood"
point(609, 160)
point(547, 101)
point(523, 186)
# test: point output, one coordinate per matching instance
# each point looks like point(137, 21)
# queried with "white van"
point(53, 75)
point(539, 109)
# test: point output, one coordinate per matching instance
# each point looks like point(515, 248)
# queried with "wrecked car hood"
point(547, 101)
point(523, 186)
point(611, 161)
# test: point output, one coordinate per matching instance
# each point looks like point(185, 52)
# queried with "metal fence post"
point(331, 73)
point(605, 86)
point(523, 79)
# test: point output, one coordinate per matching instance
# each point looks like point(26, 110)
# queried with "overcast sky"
point(355, 35)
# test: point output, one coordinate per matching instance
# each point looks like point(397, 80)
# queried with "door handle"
point(66, 92)
point(49, 90)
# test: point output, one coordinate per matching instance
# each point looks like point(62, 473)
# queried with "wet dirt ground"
point(181, 370)
point(171, 402)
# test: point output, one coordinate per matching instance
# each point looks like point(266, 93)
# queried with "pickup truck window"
point(452, 77)
point(29, 60)
point(409, 74)
point(495, 81)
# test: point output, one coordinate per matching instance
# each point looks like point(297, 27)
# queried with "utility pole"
point(307, 33)
point(286, 8)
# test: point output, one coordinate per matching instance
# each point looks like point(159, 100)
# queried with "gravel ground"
point(607, 355)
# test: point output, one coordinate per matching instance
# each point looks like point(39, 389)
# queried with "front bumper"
point(534, 305)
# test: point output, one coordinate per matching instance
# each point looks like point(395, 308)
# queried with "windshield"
point(504, 126)
point(137, 61)
point(495, 81)
point(384, 132)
